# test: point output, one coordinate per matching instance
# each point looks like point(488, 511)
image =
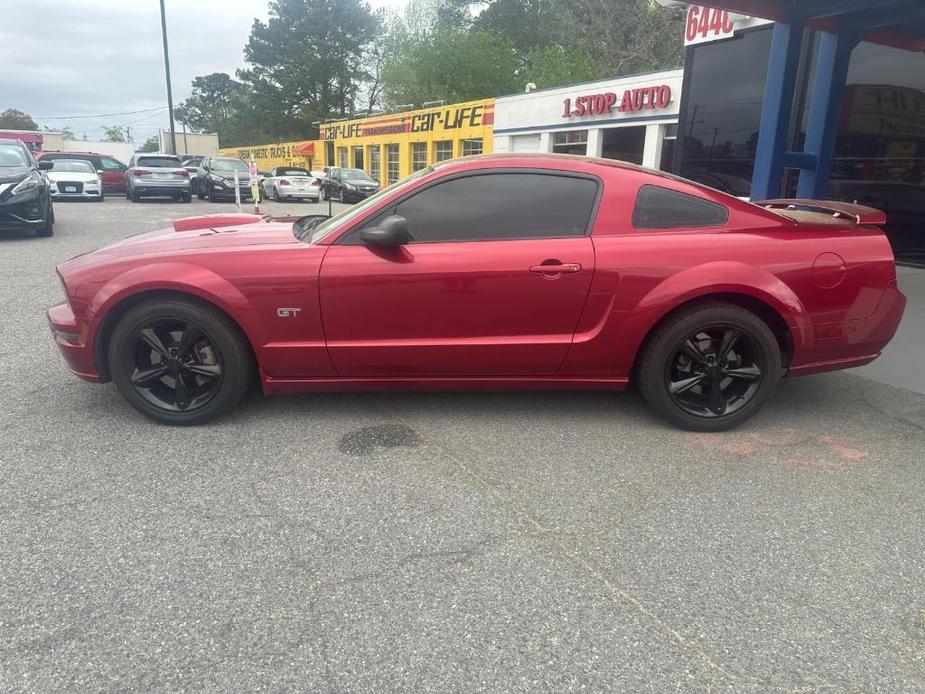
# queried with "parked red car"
point(111, 170)
point(501, 271)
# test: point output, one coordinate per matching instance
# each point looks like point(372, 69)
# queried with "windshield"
point(12, 155)
point(354, 175)
point(351, 213)
point(229, 165)
point(73, 165)
point(159, 162)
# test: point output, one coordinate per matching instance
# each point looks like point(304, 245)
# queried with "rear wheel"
point(180, 362)
point(710, 367)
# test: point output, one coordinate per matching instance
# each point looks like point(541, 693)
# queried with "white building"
point(631, 118)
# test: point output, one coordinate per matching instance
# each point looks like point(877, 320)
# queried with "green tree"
point(152, 144)
point(17, 120)
point(210, 104)
point(627, 36)
point(555, 66)
point(448, 64)
point(114, 133)
point(307, 62)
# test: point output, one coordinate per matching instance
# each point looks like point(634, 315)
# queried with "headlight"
point(350, 186)
point(217, 179)
point(26, 185)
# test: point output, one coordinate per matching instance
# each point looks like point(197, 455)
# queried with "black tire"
point(99, 199)
point(199, 194)
point(686, 376)
point(135, 197)
point(213, 196)
point(275, 195)
point(186, 197)
point(48, 228)
point(218, 335)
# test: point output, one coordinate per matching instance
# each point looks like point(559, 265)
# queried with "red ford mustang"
point(503, 271)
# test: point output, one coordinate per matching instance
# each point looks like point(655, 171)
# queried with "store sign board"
point(603, 103)
point(451, 118)
point(705, 24)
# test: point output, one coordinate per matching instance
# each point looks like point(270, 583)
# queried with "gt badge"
point(288, 312)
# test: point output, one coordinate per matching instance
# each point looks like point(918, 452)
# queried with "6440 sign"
point(707, 24)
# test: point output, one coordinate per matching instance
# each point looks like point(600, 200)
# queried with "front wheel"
point(710, 367)
point(180, 362)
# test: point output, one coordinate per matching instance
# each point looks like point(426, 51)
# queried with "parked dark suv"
point(111, 170)
point(25, 198)
point(215, 178)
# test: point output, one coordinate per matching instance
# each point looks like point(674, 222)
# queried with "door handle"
point(556, 268)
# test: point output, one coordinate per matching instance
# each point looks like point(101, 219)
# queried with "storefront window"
point(443, 150)
point(625, 144)
point(358, 158)
point(722, 110)
point(418, 156)
point(472, 146)
point(342, 158)
point(391, 163)
point(880, 146)
point(375, 171)
point(669, 139)
point(570, 142)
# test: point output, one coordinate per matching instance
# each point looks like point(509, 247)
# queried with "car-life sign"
point(632, 100)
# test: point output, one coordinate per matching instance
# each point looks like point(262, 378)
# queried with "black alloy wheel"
point(710, 367)
point(180, 362)
point(176, 365)
point(713, 372)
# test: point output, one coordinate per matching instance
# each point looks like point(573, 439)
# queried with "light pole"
point(173, 132)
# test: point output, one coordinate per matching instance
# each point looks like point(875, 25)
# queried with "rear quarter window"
point(662, 208)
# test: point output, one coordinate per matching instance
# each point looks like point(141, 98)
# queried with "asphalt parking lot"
point(444, 542)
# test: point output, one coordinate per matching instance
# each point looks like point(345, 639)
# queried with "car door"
point(113, 174)
point(493, 283)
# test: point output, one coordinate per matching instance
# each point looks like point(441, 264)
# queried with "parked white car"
point(292, 182)
point(75, 178)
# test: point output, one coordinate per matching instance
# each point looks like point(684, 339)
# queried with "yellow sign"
point(278, 154)
point(394, 145)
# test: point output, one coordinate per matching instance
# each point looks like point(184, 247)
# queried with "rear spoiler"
point(861, 214)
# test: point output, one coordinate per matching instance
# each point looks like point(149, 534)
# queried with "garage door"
point(525, 143)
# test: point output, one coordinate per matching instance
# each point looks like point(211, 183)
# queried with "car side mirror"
point(392, 231)
point(99, 172)
point(46, 164)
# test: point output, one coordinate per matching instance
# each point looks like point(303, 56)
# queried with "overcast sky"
point(86, 57)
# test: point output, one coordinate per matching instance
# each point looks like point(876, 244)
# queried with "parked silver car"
point(292, 183)
point(156, 174)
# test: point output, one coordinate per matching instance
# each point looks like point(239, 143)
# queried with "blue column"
point(824, 111)
point(783, 63)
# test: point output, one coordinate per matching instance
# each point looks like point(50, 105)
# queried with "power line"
point(103, 115)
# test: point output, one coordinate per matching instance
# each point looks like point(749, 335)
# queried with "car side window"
point(662, 208)
point(495, 206)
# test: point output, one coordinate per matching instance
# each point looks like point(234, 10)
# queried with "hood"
point(361, 181)
point(14, 174)
point(170, 244)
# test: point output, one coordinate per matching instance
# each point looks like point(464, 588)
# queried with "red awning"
point(306, 149)
point(31, 137)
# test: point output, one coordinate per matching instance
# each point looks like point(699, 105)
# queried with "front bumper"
point(71, 342)
point(90, 192)
point(23, 211)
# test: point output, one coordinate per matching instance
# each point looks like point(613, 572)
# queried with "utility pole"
point(173, 132)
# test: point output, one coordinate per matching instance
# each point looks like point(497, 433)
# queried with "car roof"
point(12, 141)
point(76, 154)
